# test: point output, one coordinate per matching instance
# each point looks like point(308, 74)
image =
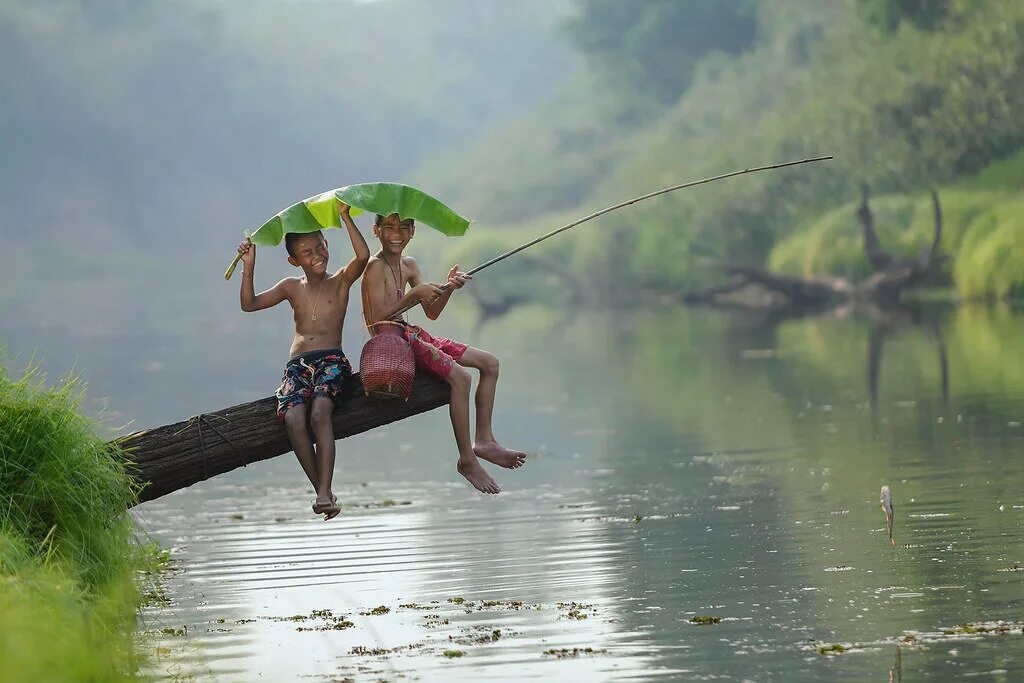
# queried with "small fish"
point(886, 499)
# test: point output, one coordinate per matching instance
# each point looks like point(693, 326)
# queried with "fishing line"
point(620, 205)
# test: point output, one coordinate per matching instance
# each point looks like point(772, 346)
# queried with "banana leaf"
point(320, 212)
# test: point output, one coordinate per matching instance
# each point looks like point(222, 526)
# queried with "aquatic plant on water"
point(69, 560)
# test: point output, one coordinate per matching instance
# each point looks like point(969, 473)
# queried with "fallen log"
point(890, 277)
point(175, 456)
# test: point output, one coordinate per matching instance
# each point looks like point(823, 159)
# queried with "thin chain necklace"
point(398, 279)
point(313, 303)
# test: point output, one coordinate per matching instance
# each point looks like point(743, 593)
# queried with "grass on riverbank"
point(983, 234)
point(69, 559)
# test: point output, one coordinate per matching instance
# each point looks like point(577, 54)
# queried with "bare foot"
point(478, 477)
point(324, 505)
point(494, 452)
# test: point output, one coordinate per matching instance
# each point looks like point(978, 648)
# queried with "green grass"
point(69, 560)
point(983, 234)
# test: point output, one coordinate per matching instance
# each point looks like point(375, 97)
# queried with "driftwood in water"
point(890, 278)
point(175, 456)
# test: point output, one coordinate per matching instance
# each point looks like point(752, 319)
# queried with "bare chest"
point(318, 309)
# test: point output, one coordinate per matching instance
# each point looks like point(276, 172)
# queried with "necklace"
point(398, 279)
point(312, 302)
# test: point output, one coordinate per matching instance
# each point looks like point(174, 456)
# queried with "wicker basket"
point(387, 366)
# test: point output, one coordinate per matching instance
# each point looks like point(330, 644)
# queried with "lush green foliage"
point(68, 558)
point(651, 48)
point(982, 234)
point(891, 13)
point(924, 101)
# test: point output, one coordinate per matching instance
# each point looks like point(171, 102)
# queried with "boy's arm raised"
point(249, 300)
point(354, 268)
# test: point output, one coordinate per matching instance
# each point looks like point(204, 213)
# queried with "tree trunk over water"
point(178, 455)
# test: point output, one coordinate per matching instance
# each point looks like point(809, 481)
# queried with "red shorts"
point(436, 355)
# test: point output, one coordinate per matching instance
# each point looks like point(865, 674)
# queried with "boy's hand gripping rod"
point(703, 181)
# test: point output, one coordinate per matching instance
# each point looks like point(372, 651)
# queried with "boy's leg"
point(485, 445)
point(320, 422)
point(458, 409)
point(295, 423)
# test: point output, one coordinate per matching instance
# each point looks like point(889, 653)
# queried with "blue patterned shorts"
point(312, 374)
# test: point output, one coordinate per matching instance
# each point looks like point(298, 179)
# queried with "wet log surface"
point(178, 455)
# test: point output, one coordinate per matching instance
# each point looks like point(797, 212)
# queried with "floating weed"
point(156, 596)
point(995, 627)
point(454, 654)
point(244, 621)
point(479, 635)
point(238, 517)
point(413, 605)
point(500, 604)
point(705, 619)
point(369, 651)
point(336, 625)
point(570, 653)
point(387, 503)
point(576, 614)
point(456, 601)
point(294, 617)
point(174, 631)
point(1015, 567)
point(376, 611)
point(833, 649)
point(435, 621)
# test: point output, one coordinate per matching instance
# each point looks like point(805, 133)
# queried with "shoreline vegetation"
point(72, 566)
point(909, 97)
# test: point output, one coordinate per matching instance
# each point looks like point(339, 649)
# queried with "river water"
point(684, 463)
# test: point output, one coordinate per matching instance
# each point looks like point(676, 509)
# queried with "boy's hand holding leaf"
point(247, 251)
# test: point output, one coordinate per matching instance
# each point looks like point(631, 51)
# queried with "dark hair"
point(380, 217)
point(290, 238)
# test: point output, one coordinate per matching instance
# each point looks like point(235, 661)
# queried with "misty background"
point(141, 139)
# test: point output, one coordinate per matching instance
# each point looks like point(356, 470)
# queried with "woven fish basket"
point(387, 366)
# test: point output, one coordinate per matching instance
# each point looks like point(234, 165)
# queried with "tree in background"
point(889, 14)
point(651, 48)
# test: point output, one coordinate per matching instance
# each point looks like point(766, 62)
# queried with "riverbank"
point(71, 564)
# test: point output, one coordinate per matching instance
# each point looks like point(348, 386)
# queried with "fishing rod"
point(609, 209)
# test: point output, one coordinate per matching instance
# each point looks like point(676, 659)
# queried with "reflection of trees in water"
point(669, 372)
point(893, 322)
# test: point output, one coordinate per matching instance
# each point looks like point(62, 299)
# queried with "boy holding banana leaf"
point(317, 368)
point(388, 273)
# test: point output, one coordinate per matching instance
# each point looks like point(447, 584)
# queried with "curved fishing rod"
point(552, 233)
point(703, 181)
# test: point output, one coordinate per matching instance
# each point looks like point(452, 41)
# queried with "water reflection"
point(687, 464)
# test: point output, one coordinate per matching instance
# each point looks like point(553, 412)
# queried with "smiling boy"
point(383, 288)
point(317, 367)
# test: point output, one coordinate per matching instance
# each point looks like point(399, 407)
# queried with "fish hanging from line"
point(886, 500)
